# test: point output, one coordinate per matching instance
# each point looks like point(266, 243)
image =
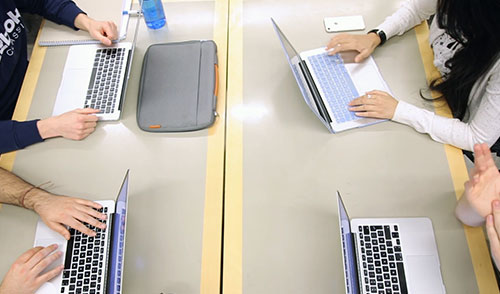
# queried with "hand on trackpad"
point(424, 275)
point(61, 247)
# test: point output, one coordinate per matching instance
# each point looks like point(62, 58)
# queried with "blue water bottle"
point(153, 14)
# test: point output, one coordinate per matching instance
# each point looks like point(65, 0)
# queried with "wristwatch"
point(380, 34)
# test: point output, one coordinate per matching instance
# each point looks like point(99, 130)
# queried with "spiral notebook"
point(59, 35)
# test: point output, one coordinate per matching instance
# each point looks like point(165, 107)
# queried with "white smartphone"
point(344, 23)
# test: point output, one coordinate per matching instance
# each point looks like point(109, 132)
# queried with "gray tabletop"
point(281, 232)
point(166, 249)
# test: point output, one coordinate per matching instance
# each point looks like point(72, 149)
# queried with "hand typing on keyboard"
point(374, 104)
point(61, 211)
point(74, 125)
point(364, 44)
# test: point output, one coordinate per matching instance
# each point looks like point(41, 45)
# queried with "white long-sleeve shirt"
point(481, 123)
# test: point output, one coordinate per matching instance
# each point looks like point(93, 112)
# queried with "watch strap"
point(380, 34)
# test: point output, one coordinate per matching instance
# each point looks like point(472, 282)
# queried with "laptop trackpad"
point(424, 274)
point(72, 91)
point(52, 286)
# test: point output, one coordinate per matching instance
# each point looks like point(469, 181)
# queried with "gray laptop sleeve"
point(178, 87)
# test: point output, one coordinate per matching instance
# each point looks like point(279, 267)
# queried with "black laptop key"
point(92, 76)
point(387, 232)
point(69, 250)
point(402, 278)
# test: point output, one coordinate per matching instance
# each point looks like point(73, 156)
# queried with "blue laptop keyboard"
point(336, 84)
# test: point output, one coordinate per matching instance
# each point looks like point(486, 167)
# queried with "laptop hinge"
point(357, 264)
point(314, 91)
point(108, 254)
point(125, 80)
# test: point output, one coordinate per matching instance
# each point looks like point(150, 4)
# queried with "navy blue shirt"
point(14, 61)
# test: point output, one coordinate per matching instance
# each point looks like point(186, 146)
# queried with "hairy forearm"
point(12, 188)
point(16, 191)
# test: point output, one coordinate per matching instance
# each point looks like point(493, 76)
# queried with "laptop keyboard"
point(85, 263)
point(334, 80)
point(382, 260)
point(107, 74)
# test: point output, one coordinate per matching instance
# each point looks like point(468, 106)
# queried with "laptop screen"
point(118, 239)
point(297, 64)
point(291, 54)
point(348, 250)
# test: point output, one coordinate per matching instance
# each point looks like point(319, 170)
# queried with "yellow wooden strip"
point(479, 251)
point(26, 95)
point(212, 224)
point(233, 204)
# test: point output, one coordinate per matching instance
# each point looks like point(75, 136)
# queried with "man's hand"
point(76, 124)
point(103, 31)
point(481, 190)
point(24, 275)
point(60, 211)
point(493, 231)
point(363, 44)
point(375, 104)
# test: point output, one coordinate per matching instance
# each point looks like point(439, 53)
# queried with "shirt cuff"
point(26, 133)
point(69, 14)
point(403, 112)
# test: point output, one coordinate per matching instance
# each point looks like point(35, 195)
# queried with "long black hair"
point(475, 25)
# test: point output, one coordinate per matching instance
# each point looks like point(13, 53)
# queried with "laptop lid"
point(117, 248)
point(129, 62)
point(348, 249)
point(303, 78)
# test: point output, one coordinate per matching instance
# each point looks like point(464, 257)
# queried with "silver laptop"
point(96, 76)
point(91, 264)
point(389, 255)
point(329, 83)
